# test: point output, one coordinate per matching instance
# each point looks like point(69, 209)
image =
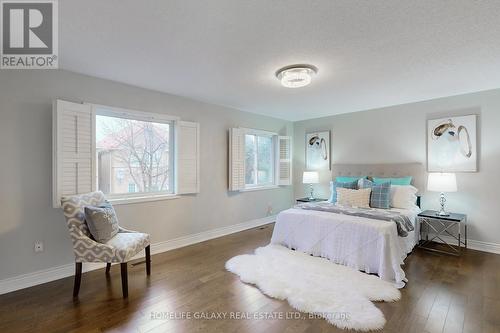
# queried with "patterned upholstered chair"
point(119, 249)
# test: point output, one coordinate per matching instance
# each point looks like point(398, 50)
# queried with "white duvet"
point(372, 246)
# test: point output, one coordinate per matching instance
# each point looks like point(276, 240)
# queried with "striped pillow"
point(354, 198)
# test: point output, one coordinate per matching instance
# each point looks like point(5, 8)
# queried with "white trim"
point(236, 159)
point(93, 150)
point(116, 112)
point(59, 272)
point(471, 244)
point(183, 158)
point(274, 155)
point(259, 188)
point(483, 246)
point(56, 167)
point(111, 111)
point(142, 198)
point(252, 131)
point(60, 108)
point(209, 234)
point(281, 180)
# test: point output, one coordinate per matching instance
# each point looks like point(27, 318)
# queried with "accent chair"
point(119, 249)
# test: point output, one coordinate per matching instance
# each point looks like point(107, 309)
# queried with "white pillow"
point(354, 198)
point(403, 196)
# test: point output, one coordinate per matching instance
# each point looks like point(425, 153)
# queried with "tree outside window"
point(133, 154)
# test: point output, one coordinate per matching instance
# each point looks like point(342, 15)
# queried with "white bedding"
point(365, 244)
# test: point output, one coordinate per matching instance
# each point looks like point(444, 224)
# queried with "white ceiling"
point(369, 53)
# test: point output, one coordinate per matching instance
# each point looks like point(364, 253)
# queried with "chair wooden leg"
point(78, 279)
point(108, 267)
point(124, 279)
point(148, 260)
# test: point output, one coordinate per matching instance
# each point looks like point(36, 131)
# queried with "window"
point(128, 155)
point(133, 156)
point(259, 160)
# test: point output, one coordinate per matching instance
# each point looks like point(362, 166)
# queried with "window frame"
point(116, 112)
point(275, 159)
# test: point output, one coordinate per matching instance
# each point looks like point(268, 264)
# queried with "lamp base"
point(311, 195)
point(442, 201)
point(443, 213)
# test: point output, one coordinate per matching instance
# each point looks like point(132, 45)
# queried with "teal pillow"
point(393, 181)
point(348, 179)
point(333, 188)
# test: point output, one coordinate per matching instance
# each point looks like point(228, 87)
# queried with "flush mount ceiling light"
point(296, 76)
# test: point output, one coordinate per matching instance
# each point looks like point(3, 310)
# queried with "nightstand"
point(442, 226)
point(309, 200)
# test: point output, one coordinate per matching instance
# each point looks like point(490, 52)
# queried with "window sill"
point(259, 188)
point(132, 200)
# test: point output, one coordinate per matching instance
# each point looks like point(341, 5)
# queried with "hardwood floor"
point(445, 294)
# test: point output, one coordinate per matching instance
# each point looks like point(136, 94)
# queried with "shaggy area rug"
point(317, 286)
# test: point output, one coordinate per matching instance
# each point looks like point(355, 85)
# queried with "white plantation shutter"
point(73, 140)
point(284, 160)
point(236, 159)
point(188, 157)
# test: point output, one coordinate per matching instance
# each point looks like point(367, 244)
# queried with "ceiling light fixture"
point(296, 76)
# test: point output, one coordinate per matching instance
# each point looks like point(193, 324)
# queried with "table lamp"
point(442, 182)
point(310, 177)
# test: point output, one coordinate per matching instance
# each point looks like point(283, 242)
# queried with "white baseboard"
point(209, 234)
point(483, 246)
point(59, 272)
point(472, 244)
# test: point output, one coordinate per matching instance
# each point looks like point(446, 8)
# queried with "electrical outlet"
point(269, 210)
point(38, 246)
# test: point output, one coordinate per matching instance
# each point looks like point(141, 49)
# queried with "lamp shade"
point(310, 177)
point(442, 182)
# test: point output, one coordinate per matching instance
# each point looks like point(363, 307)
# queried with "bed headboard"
point(416, 170)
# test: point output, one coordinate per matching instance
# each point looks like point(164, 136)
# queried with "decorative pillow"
point(342, 179)
point(354, 198)
point(102, 222)
point(403, 196)
point(365, 183)
point(334, 185)
point(381, 194)
point(393, 181)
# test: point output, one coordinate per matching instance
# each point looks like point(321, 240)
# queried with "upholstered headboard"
point(416, 170)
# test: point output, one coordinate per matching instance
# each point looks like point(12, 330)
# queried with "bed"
point(366, 244)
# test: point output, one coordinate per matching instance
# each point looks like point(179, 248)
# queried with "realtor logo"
point(29, 34)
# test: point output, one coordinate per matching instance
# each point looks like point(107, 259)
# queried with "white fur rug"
point(314, 285)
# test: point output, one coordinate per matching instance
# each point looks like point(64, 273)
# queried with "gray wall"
point(398, 134)
point(26, 169)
